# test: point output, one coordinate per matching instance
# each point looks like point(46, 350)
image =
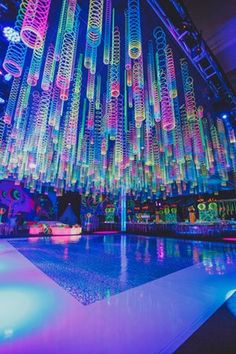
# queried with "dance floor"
point(109, 293)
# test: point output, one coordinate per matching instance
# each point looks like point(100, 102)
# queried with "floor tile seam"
point(176, 342)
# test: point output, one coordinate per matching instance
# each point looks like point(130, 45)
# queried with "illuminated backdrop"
point(94, 107)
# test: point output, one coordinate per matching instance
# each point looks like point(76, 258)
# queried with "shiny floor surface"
point(142, 295)
point(95, 267)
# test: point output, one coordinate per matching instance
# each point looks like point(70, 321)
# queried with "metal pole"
point(123, 209)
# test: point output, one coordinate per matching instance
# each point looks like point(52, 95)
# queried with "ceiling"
point(216, 20)
point(215, 40)
point(216, 23)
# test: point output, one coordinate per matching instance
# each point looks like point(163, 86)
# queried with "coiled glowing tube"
point(153, 84)
point(188, 90)
point(223, 143)
point(134, 29)
point(35, 66)
point(129, 77)
point(55, 108)
point(91, 115)
point(119, 139)
point(2, 129)
point(138, 91)
point(41, 120)
point(128, 62)
point(168, 119)
point(91, 86)
point(81, 134)
point(107, 35)
point(115, 66)
point(98, 92)
point(113, 118)
point(64, 94)
point(33, 118)
point(75, 105)
point(93, 61)
point(130, 97)
point(171, 73)
point(71, 9)
point(23, 97)
point(35, 23)
point(66, 61)
point(48, 73)
point(16, 52)
point(186, 133)
point(90, 58)
point(15, 58)
point(61, 29)
point(232, 137)
point(9, 113)
point(178, 134)
point(220, 157)
point(191, 109)
point(94, 29)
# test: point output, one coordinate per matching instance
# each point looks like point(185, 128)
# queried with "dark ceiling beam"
point(178, 22)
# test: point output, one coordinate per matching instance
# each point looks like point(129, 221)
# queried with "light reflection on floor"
point(90, 267)
point(23, 308)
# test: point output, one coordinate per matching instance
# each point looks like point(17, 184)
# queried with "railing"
point(184, 229)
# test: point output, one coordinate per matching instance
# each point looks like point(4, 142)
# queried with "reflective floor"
point(142, 295)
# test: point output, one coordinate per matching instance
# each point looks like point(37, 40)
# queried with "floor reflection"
point(94, 267)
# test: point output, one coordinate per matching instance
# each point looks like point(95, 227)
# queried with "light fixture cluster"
point(11, 34)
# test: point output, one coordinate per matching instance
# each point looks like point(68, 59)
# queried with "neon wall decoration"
point(94, 108)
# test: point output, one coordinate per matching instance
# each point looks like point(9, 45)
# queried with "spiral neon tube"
point(153, 88)
point(90, 86)
point(16, 52)
point(34, 25)
point(35, 66)
point(168, 119)
point(107, 34)
point(95, 17)
point(128, 61)
point(134, 29)
point(98, 92)
point(9, 112)
point(138, 92)
point(66, 61)
point(115, 65)
point(61, 30)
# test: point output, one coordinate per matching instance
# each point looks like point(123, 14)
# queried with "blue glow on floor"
point(97, 267)
point(22, 309)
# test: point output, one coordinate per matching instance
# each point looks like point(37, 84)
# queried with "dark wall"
point(72, 198)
